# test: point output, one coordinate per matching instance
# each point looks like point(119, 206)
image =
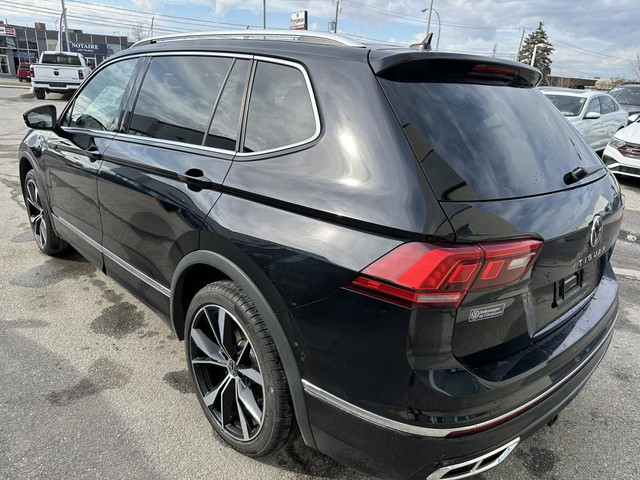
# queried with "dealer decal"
point(483, 313)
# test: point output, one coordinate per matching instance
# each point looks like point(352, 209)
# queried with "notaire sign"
point(81, 47)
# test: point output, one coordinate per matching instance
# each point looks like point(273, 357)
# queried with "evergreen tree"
point(543, 54)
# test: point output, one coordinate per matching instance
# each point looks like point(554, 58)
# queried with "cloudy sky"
point(591, 37)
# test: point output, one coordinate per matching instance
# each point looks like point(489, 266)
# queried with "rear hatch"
point(505, 164)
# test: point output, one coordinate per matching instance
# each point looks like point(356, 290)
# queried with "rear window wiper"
point(579, 173)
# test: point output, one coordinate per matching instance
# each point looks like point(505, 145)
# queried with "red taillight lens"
point(80, 75)
point(33, 74)
point(495, 70)
point(436, 276)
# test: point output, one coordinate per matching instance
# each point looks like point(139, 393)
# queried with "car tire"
point(237, 372)
point(39, 94)
point(40, 217)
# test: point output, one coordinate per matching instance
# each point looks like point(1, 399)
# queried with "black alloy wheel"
point(39, 217)
point(237, 372)
point(35, 211)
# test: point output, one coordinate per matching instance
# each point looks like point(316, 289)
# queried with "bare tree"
point(635, 66)
point(137, 33)
point(564, 82)
point(618, 80)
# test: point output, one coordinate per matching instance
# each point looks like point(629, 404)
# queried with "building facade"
point(25, 44)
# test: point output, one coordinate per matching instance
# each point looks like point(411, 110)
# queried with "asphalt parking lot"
point(94, 385)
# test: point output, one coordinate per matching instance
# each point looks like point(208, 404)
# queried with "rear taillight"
point(437, 276)
point(33, 74)
point(80, 75)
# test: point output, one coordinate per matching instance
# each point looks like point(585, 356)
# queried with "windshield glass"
point(568, 105)
point(628, 96)
point(484, 142)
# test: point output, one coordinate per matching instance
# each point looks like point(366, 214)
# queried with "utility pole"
point(335, 22)
point(495, 48)
point(264, 14)
point(521, 40)
point(429, 21)
point(66, 25)
point(150, 34)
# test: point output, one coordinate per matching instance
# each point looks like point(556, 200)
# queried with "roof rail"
point(296, 35)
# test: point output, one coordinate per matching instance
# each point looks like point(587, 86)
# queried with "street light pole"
point(429, 21)
point(439, 23)
point(535, 52)
point(264, 14)
point(66, 25)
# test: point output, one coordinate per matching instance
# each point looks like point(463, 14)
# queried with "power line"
point(604, 55)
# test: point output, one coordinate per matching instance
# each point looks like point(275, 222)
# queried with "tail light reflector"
point(80, 75)
point(438, 276)
point(33, 73)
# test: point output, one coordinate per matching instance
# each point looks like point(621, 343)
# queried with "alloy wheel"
point(35, 210)
point(227, 372)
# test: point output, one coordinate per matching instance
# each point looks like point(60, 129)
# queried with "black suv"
point(401, 254)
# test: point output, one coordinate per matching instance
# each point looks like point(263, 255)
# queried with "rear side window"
point(607, 105)
point(486, 142)
point(98, 104)
point(177, 97)
point(280, 110)
point(61, 59)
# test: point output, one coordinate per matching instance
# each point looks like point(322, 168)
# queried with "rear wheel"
point(40, 217)
point(39, 94)
point(237, 372)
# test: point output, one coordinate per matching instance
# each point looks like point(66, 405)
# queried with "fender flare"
point(237, 275)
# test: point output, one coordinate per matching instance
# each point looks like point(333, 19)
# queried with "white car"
point(596, 115)
point(622, 155)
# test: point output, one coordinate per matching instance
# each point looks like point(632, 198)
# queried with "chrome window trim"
point(314, 106)
point(129, 268)
point(376, 419)
point(173, 143)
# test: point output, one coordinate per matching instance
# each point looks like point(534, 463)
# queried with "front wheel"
point(237, 372)
point(40, 217)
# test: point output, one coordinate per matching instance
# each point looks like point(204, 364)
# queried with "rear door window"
point(281, 113)
point(177, 97)
point(223, 132)
point(607, 105)
point(486, 142)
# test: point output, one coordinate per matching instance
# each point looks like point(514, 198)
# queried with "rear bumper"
point(56, 87)
point(383, 449)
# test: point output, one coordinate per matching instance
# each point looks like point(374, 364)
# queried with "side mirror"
point(633, 118)
point(43, 117)
point(592, 116)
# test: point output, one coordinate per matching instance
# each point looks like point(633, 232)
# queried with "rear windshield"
point(61, 59)
point(485, 142)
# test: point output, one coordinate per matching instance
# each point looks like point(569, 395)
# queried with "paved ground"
point(92, 384)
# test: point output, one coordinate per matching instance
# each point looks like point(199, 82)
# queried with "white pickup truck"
point(58, 72)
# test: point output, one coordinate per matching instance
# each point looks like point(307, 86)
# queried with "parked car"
point(403, 255)
point(622, 155)
point(24, 72)
point(596, 115)
point(58, 72)
point(628, 96)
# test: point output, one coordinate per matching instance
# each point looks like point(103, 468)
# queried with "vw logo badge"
point(596, 231)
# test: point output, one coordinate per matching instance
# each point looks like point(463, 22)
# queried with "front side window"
point(96, 107)
point(177, 97)
point(594, 105)
point(280, 110)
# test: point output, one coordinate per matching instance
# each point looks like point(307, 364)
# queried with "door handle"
point(194, 177)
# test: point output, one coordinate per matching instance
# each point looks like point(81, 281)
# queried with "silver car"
point(596, 115)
